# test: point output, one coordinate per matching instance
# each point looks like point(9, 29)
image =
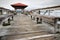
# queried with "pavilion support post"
point(16, 12)
point(22, 11)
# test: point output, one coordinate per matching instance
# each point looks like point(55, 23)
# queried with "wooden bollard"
point(37, 20)
point(9, 21)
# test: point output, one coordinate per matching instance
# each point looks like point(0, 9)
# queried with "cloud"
point(32, 4)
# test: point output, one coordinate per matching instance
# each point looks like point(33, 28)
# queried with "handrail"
point(4, 17)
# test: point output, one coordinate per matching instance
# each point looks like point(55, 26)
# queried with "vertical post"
point(9, 21)
point(49, 12)
point(22, 11)
point(40, 19)
point(12, 17)
point(31, 16)
point(37, 20)
point(39, 11)
point(55, 25)
point(0, 38)
point(1, 11)
point(16, 12)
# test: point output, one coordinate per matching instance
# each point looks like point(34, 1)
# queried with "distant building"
point(6, 11)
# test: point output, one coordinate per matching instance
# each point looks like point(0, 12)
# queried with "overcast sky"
point(32, 4)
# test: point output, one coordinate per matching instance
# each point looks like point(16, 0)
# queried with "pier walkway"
point(23, 28)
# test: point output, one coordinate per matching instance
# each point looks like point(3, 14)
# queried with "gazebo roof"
point(19, 6)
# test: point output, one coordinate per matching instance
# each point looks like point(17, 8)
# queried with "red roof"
point(18, 4)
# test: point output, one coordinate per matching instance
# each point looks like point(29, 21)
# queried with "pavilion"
point(19, 7)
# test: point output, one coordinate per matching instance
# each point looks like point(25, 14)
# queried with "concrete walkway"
point(23, 23)
point(23, 27)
